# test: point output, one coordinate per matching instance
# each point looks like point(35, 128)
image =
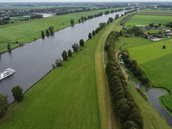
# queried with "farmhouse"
point(168, 32)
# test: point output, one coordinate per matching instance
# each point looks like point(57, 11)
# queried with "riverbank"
point(26, 32)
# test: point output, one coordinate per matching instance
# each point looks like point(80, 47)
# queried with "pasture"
point(156, 12)
point(145, 17)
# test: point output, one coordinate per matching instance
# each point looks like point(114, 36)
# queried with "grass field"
point(27, 31)
point(156, 12)
point(155, 61)
point(146, 17)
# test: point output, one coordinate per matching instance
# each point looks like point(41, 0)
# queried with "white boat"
point(8, 72)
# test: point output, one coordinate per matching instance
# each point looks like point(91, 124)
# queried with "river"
point(34, 60)
point(153, 96)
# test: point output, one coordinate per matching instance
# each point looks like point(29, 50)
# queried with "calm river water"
point(35, 59)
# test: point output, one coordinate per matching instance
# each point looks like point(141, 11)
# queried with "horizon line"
point(86, 1)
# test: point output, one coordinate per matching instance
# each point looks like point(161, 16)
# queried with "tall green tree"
point(51, 29)
point(69, 53)
point(42, 34)
point(81, 42)
point(47, 32)
point(89, 35)
point(72, 22)
point(64, 55)
point(18, 93)
point(9, 47)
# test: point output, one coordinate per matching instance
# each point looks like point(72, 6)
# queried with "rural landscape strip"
point(102, 87)
point(31, 30)
point(107, 96)
point(85, 90)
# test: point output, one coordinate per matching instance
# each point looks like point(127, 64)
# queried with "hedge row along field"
point(132, 65)
point(123, 102)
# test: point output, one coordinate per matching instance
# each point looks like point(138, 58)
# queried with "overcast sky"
point(80, 0)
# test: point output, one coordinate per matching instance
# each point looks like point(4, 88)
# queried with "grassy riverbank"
point(29, 30)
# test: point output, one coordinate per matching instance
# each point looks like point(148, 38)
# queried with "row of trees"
point(83, 19)
point(47, 32)
point(123, 102)
point(76, 47)
point(18, 96)
point(132, 65)
point(66, 54)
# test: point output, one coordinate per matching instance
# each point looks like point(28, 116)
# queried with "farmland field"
point(156, 12)
point(30, 30)
point(146, 17)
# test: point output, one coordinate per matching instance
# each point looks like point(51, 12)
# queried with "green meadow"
point(155, 61)
point(145, 17)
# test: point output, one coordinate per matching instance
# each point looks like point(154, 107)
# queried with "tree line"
point(48, 32)
point(76, 47)
point(133, 66)
point(123, 103)
point(18, 95)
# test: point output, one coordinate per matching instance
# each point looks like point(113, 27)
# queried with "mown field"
point(29, 30)
point(155, 61)
point(146, 17)
point(156, 12)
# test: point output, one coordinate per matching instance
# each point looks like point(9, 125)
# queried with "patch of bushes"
point(69, 53)
point(17, 93)
point(75, 47)
point(81, 42)
point(59, 62)
point(136, 31)
point(132, 65)
point(65, 55)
